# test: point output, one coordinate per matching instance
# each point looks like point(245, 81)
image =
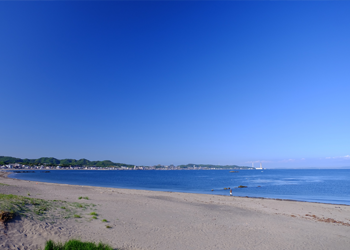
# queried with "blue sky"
point(177, 82)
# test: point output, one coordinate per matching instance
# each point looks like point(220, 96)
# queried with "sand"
point(178, 221)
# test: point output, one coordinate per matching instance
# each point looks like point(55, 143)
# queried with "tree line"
point(50, 161)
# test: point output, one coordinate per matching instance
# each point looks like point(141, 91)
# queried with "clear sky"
point(177, 82)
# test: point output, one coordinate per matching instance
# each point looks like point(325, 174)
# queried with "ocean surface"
point(321, 185)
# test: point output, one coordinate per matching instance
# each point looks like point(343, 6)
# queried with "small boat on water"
point(233, 171)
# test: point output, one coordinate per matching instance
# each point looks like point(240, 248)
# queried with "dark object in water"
point(212, 190)
point(241, 186)
point(233, 171)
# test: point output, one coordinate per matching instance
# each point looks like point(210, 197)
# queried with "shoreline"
point(142, 219)
point(251, 197)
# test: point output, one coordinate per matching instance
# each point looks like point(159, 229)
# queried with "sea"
point(311, 185)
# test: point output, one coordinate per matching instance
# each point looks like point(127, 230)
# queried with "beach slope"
point(176, 221)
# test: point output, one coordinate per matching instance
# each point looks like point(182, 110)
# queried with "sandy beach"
point(176, 221)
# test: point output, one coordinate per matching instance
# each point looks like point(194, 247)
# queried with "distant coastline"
point(10, 163)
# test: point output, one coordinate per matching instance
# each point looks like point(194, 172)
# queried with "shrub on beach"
point(6, 216)
point(76, 245)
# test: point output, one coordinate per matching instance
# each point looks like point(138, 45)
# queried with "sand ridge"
point(141, 219)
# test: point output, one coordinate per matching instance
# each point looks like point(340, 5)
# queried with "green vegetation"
point(104, 220)
point(76, 245)
point(94, 217)
point(2, 184)
point(214, 166)
point(40, 209)
point(50, 161)
point(93, 213)
point(108, 226)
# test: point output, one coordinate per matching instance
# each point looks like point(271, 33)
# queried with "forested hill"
point(50, 161)
point(214, 166)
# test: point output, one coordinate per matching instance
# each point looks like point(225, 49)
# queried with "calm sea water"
point(326, 186)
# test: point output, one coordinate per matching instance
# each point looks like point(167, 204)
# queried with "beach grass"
point(3, 184)
point(34, 208)
point(76, 245)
